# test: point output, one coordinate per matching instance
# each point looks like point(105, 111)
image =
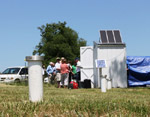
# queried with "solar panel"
point(103, 37)
point(110, 37)
point(117, 36)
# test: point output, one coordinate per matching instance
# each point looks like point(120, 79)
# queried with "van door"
point(24, 74)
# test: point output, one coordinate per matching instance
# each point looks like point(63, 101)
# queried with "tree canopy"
point(58, 40)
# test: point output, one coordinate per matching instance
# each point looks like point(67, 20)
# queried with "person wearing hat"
point(58, 75)
point(51, 72)
point(62, 58)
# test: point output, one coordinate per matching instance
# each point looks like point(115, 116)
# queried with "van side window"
point(24, 71)
point(11, 71)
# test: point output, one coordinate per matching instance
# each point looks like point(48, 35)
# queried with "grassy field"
point(14, 101)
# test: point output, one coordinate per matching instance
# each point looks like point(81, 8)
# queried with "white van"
point(14, 74)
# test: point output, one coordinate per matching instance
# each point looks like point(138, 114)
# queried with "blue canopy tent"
point(138, 70)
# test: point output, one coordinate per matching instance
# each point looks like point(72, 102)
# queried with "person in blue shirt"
point(51, 72)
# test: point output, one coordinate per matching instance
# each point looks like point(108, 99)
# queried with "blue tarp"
point(138, 70)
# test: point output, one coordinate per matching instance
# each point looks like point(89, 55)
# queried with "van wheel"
point(17, 81)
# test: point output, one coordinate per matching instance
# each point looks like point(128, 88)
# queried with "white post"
point(109, 84)
point(103, 81)
point(103, 84)
point(35, 79)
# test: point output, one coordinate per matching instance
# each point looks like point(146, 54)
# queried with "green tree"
point(58, 40)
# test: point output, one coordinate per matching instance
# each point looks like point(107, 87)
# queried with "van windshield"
point(11, 71)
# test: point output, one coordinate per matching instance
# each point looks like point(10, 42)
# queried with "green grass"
point(14, 101)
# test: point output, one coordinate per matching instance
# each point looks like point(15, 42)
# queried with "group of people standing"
point(63, 72)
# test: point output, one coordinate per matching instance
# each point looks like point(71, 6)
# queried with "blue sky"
point(19, 20)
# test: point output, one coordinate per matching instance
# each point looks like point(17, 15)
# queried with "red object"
point(74, 84)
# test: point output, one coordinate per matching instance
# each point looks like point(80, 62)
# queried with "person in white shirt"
point(58, 74)
point(78, 66)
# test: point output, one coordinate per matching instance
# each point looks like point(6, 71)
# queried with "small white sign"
point(100, 63)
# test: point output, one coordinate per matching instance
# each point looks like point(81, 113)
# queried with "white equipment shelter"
point(113, 51)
